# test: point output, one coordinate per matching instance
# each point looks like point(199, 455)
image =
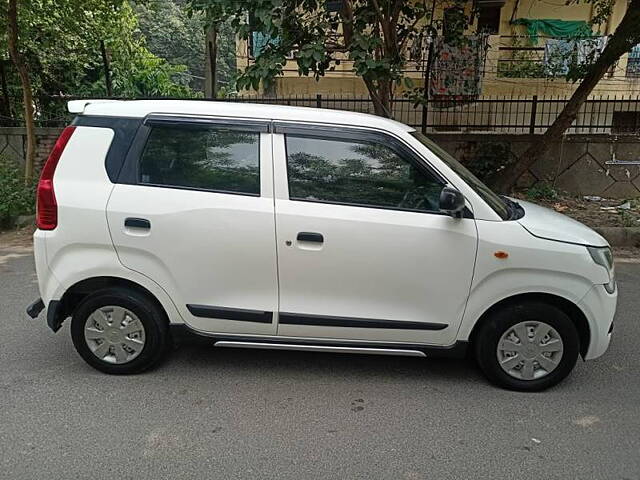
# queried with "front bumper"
point(599, 308)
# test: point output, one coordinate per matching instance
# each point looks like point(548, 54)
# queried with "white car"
point(275, 227)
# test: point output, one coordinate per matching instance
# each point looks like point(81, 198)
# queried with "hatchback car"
point(295, 228)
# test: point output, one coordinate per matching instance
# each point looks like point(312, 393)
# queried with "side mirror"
point(451, 202)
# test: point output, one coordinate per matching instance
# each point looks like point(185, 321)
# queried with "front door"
point(363, 251)
point(193, 211)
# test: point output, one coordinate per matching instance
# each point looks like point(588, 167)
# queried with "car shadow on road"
point(303, 365)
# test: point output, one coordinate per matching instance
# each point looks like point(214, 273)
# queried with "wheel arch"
point(572, 310)
point(65, 307)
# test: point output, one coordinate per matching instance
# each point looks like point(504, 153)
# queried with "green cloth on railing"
point(555, 28)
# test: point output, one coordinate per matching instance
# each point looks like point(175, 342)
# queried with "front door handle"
point(137, 223)
point(310, 237)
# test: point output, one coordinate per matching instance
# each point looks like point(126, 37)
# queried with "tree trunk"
point(211, 87)
point(107, 69)
point(626, 36)
point(5, 106)
point(27, 92)
point(379, 91)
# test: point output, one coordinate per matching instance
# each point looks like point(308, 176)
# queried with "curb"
point(620, 236)
point(627, 260)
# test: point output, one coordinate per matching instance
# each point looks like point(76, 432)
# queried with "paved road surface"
point(224, 413)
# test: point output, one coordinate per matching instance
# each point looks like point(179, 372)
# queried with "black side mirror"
point(451, 202)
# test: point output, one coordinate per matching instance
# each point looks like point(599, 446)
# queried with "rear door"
point(193, 210)
point(363, 251)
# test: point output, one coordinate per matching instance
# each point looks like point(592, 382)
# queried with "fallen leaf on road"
point(586, 421)
point(558, 207)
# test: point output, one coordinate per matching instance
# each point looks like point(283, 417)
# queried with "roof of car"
point(142, 108)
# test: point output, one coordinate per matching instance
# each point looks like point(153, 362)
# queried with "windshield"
point(493, 200)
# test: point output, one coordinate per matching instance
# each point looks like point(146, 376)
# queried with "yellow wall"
point(342, 81)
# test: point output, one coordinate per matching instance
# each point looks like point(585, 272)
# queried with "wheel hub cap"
point(530, 350)
point(114, 334)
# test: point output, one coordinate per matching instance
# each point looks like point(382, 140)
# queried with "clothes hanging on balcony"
point(561, 54)
point(554, 28)
point(633, 62)
point(457, 70)
point(259, 41)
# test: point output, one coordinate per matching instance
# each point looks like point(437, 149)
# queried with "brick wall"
point(13, 144)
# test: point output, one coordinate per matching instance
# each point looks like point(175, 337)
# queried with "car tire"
point(503, 329)
point(117, 320)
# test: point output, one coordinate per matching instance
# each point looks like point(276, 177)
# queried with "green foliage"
point(61, 40)
point(179, 38)
point(486, 159)
point(16, 198)
point(542, 191)
point(522, 63)
point(374, 34)
point(628, 219)
point(602, 9)
point(521, 67)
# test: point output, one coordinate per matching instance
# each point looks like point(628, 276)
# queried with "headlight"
point(603, 256)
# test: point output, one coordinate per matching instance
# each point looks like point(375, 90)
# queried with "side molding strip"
point(238, 314)
point(321, 320)
point(320, 348)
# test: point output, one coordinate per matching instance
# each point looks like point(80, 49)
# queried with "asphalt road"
point(224, 413)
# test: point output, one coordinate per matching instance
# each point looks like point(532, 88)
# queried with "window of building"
point(489, 20)
point(202, 157)
point(357, 173)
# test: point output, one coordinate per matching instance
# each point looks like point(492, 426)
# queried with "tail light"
point(46, 205)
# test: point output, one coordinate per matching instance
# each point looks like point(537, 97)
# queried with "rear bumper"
point(600, 308)
point(54, 319)
point(35, 308)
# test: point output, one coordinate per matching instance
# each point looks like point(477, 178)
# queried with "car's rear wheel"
point(119, 331)
point(527, 346)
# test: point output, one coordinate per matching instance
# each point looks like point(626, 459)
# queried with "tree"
point(172, 34)
point(374, 34)
point(13, 37)
point(55, 48)
point(625, 37)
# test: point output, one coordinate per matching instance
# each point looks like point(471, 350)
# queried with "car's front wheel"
point(527, 346)
point(119, 331)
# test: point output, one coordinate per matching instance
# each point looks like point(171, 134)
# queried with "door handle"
point(310, 237)
point(137, 223)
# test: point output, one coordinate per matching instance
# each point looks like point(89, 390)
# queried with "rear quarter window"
point(202, 157)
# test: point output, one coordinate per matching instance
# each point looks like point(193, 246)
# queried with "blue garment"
point(633, 62)
point(560, 54)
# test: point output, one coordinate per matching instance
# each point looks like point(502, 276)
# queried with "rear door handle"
point(137, 223)
point(310, 237)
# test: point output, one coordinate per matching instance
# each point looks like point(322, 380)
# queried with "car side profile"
point(278, 227)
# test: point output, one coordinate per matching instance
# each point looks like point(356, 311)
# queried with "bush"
point(542, 191)
point(16, 198)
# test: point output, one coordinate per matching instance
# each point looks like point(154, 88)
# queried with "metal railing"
point(520, 115)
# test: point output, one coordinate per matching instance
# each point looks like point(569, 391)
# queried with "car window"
point(493, 200)
point(357, 173)
point(210, 158)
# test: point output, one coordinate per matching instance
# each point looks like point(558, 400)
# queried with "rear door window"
point(201, 157)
